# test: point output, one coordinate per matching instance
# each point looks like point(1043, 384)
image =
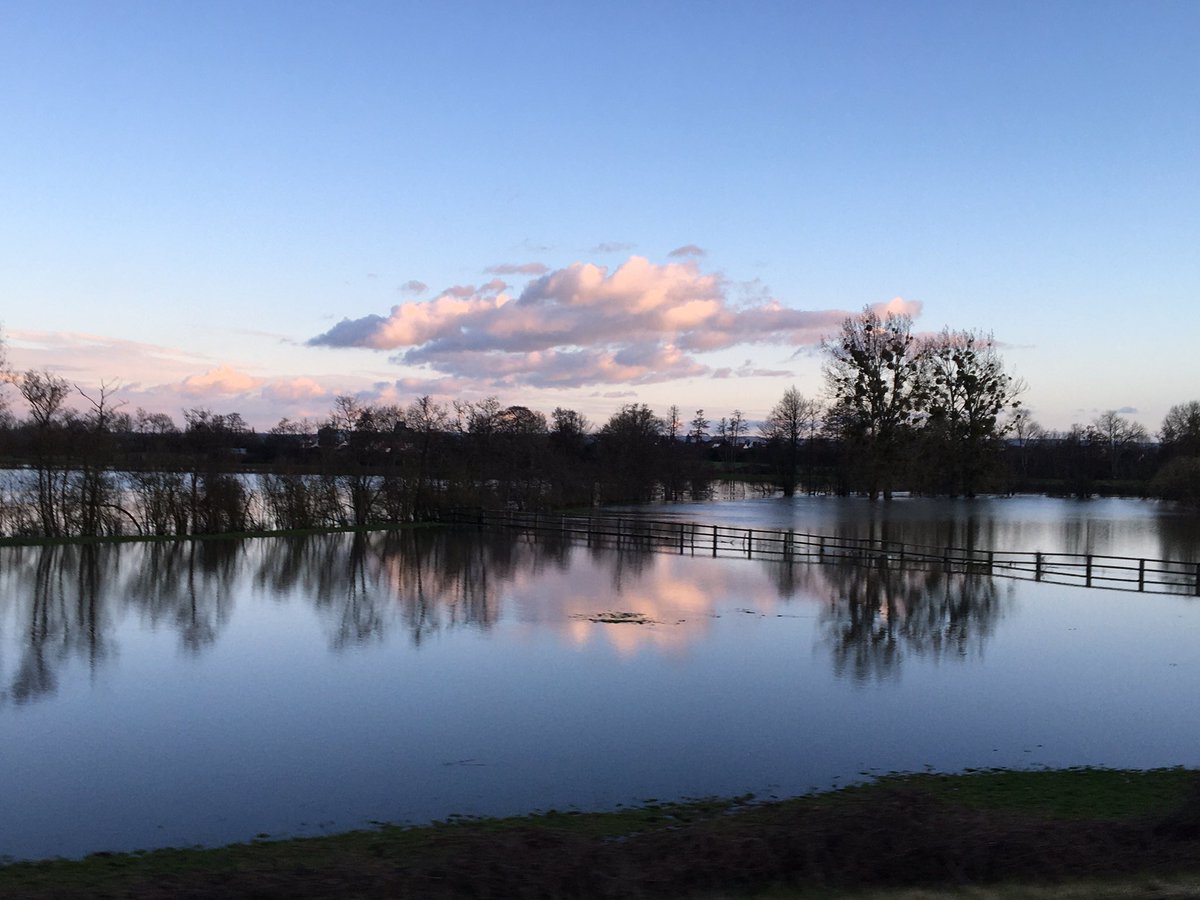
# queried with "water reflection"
point(64, 616)
point(1115, 526)
point(64, 602)
point(877, 616)
point(226, 688)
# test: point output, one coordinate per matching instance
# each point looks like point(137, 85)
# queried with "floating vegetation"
point(618, 618)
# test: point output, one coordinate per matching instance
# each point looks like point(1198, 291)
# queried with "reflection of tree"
point(426, 579)
point(360, 620)
point(65, 615)
point(189, 584)
point(1178, 535)
point(47, 630)
point(90, 609)
point(875, 616)
point(420, 582)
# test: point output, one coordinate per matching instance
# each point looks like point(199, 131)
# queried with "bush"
point(1179, 480)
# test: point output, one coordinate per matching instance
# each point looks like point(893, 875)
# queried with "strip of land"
point(1081, 832)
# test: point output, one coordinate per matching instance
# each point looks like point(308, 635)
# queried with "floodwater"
point(204, 692)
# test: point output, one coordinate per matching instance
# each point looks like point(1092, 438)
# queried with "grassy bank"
point(994, 833)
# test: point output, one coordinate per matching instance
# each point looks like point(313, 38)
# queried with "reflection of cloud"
point(585, 324)
point(679, 594)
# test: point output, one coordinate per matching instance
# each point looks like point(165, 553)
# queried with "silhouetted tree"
point(964, 392)
point(1121, 440)
point(872, 373)
point(45, 394)
point(630, 445)
point(1180, 434)
point(790, 421)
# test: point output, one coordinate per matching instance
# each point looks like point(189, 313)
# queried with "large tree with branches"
point(872, 374)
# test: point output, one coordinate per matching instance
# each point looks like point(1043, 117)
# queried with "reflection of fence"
point(1083, 569)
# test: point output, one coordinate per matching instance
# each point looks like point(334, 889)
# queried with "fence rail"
point(1084, 570)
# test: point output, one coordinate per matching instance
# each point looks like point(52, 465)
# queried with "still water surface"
point(204, 692)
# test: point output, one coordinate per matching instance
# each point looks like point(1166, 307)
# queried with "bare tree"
point(791, 419)
point(735, 430)
point(965, 392)
point(98, 507)
point(569, 426)
point(429, 420)
point(1180, 433)
point(153, 423)
point(1120, 438)
point(872, 376)
point(45, 394)
point(674, 424)
point(630, 444)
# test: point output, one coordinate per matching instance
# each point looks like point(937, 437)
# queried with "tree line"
point(898, 412)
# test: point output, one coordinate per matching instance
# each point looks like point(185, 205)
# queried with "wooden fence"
point(1084, 570)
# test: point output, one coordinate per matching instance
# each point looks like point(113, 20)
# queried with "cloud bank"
point(586, 325)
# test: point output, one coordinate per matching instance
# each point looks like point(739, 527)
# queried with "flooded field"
point(204, 692)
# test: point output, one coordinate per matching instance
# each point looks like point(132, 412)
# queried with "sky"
point(257, 206)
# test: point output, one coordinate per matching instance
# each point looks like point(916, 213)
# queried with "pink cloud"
point(532, 268)
point(897, 306)
point(586, 324)
point(289, 390)
point(221, 380)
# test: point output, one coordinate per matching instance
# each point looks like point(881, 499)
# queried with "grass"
point(995, 833)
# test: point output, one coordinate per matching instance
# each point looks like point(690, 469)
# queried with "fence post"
point(1089, 570)
point(714, 540)
point(1037, 567)
point(1141, 574)
point(1197, 580)
point(749, 543)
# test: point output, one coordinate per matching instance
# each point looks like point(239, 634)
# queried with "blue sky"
point(197, 194)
